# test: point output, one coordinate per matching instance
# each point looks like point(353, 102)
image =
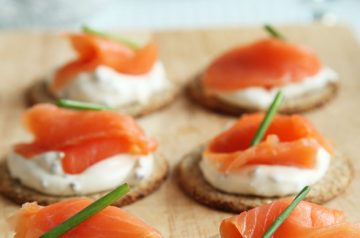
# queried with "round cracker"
point(38, 93)
point(311, 100)
point(16, 192)
point(193, 183)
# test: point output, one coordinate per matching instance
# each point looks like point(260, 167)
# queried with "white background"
point(166, 14)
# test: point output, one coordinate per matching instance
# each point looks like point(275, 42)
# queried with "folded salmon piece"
point(93, 51)
point(85, 137)
point(307, 220)
point(33, 220)
point(289, 140)
point(266, 63)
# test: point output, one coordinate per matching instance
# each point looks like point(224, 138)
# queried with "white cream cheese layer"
point(108, 87)
point(44, 173)
point(266, 180)
point(261, 98)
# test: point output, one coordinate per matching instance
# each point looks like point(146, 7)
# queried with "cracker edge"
point(192, 182)
point(297, 105)
point(37, 93)
point(14, 191)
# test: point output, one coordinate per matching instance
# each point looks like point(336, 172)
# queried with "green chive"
point(80, 105)
point(267, 119)
point(273, 32)
point(87, 212)
point(124, 41)
point(282, 217)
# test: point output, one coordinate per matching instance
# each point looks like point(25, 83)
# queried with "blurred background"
point(166, 14)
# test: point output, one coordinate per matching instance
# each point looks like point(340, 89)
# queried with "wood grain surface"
point(27, 56)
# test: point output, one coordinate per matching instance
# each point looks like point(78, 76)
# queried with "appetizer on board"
point(80, 218)
point(80, 152)
point(261, 157)
point(292, 155)
point(307, 220)
point(246, 78)
point(110, 71)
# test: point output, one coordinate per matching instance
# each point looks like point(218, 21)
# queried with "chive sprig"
point(122, 40)
point(267, 119)
point(72, 104)
point(273, 32)
point(87, 212)
point(282, 217)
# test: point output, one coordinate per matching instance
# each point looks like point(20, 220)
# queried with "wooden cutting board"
point(26, 56)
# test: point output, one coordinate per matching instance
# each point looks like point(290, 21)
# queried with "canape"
point(80, 218)
point(80, 153)
point(307, 220)
point(109, 71)
point(238, 169)
point(246, 78)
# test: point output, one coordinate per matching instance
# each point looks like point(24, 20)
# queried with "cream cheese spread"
point(45, 174)
point(106, 86)
point(261, 98)
point(266, 180)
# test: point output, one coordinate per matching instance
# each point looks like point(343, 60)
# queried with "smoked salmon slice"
point(307, 220)
point(33, 220)
point(85, 137)
point(94, 50)
point(266, 63)
point(289, 140)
